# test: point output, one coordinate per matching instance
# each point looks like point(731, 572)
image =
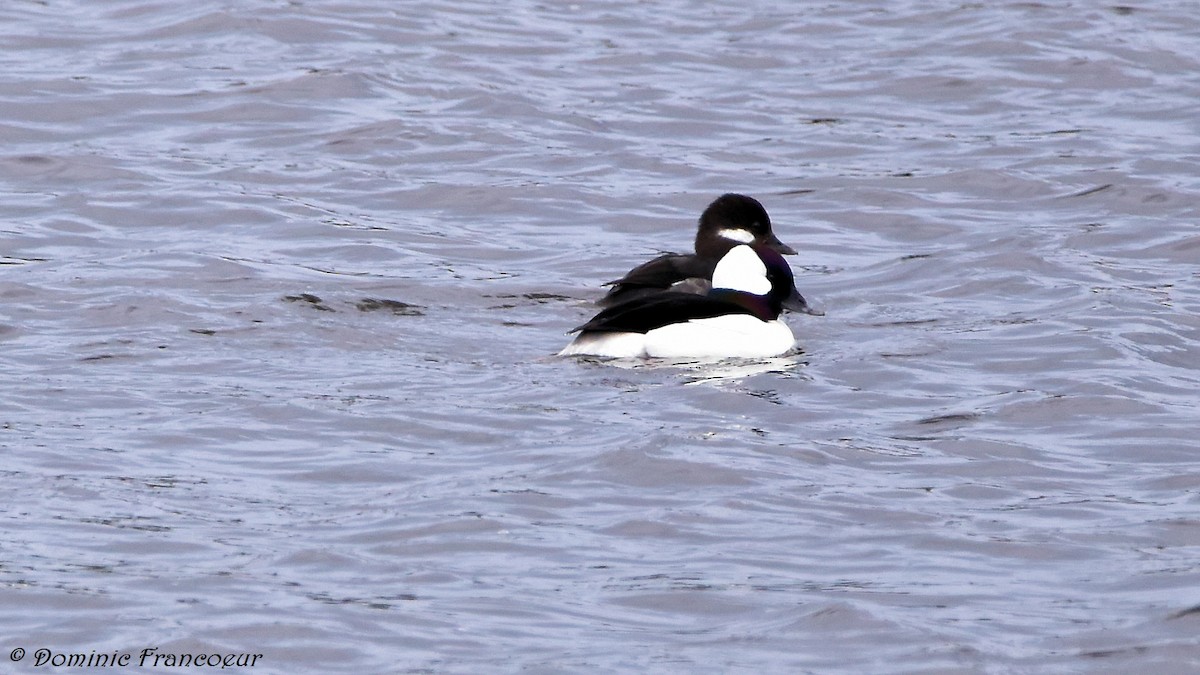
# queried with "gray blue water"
point(280, 285)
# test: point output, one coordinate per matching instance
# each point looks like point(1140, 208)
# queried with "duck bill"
point(774, 243)
point(797, 303)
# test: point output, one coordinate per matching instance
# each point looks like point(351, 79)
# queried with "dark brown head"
point(734, 219)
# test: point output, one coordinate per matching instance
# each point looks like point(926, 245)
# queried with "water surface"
point(281, 284)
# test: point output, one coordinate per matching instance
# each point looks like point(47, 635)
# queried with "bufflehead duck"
point(731, 219)
point(738, 317)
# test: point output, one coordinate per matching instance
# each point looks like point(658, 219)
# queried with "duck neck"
point(764, 307)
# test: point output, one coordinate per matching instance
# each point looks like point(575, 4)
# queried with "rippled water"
point(281, 282)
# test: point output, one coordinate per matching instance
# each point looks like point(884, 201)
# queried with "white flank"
point(617, 345)
point(738, 235)
point(731, 335)
point(742, 270)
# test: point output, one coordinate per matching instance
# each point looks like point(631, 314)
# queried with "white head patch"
point(737, 234)
point(742, 270)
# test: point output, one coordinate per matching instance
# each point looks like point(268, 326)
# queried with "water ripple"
point(281, 284)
